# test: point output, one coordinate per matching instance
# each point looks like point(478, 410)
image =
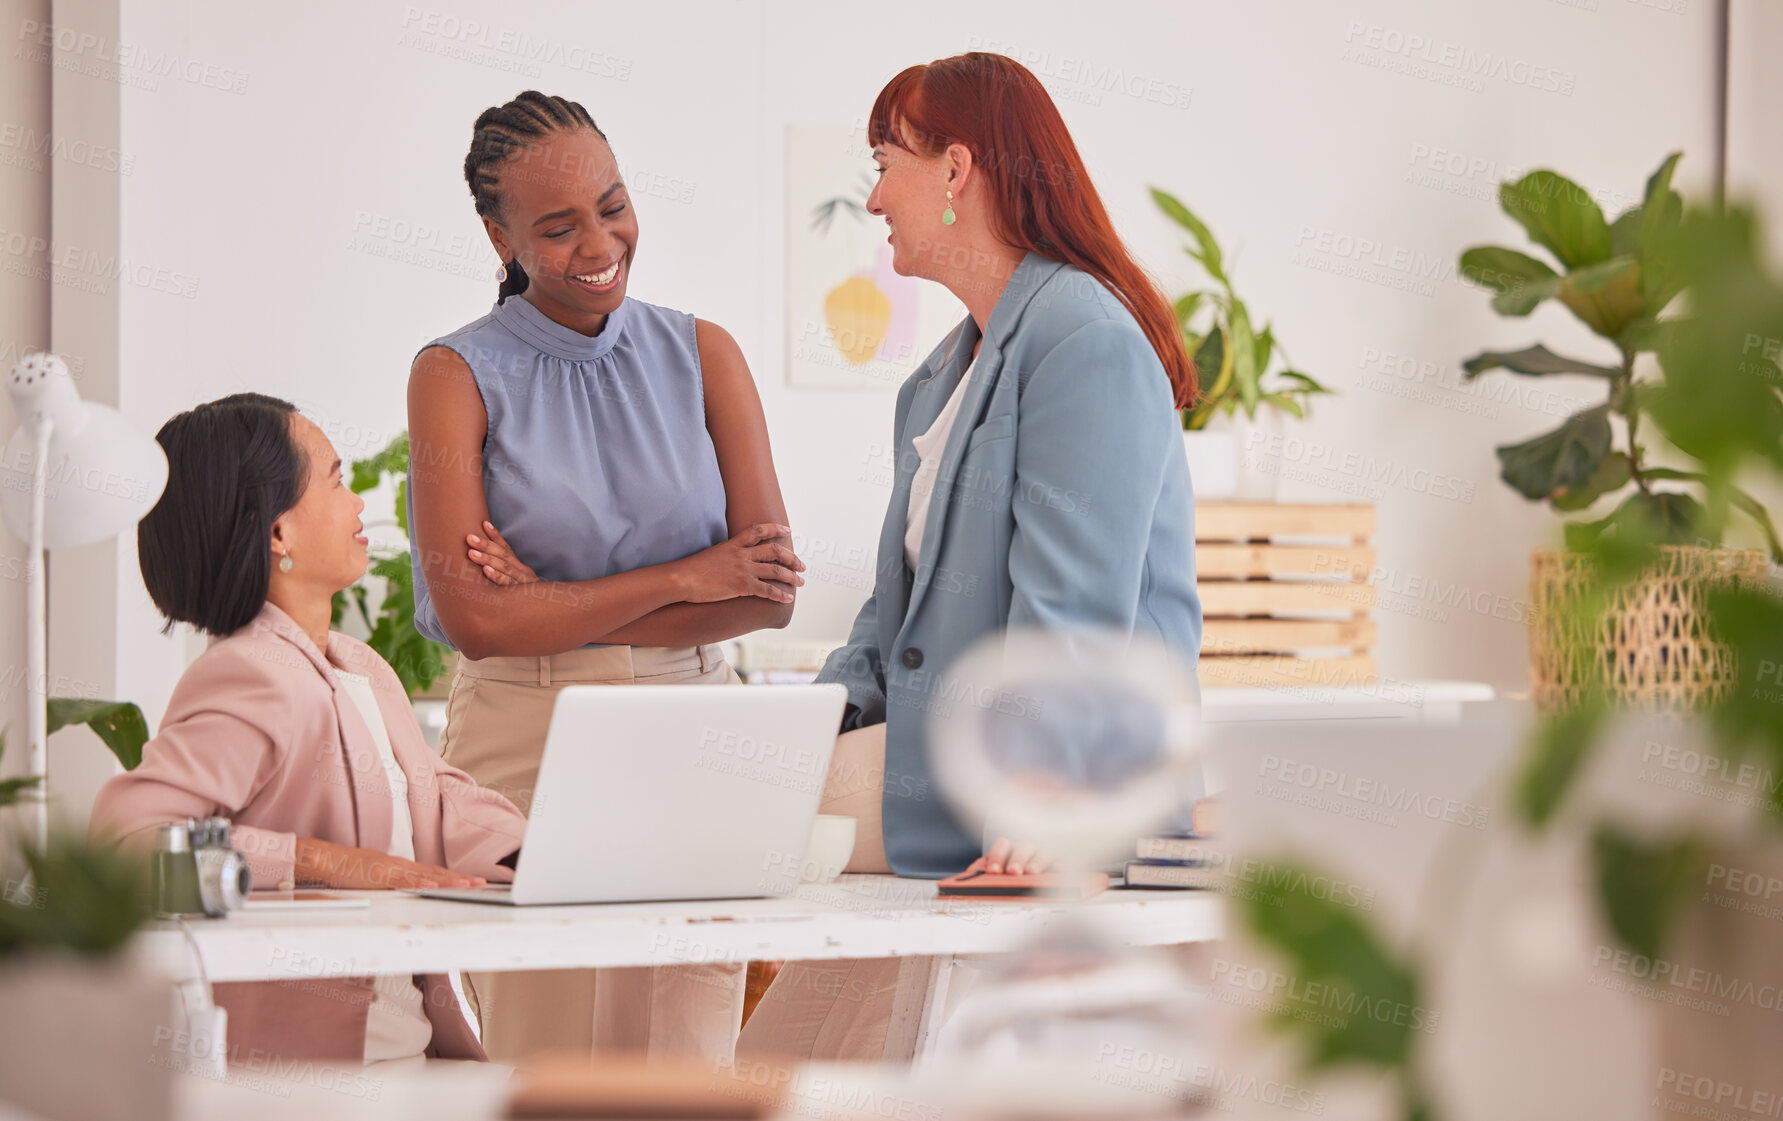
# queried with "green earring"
point(285, 562)
point(947, 216)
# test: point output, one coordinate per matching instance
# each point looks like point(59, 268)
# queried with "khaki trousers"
point(835, 1010)
point(496, 717)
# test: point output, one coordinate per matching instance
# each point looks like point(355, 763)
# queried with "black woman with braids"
point(592, 499)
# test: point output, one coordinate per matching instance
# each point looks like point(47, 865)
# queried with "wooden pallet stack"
point(1285, 594)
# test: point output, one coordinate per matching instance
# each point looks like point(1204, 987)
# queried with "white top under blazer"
point(929, 446)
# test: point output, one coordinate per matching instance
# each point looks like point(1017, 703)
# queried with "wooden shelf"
point(1262, 597)
point(1260, 521)
point(1261, 569)
point(1215, 561)
point(1281, 636)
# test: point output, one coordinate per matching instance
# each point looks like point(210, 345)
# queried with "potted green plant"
point(1658, 842)
point(1241, 367)
point(1617, 278)
point(74, 999)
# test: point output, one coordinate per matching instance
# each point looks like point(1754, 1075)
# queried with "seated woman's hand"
point(1015, 858)
point(496, 558)
point(326, 864)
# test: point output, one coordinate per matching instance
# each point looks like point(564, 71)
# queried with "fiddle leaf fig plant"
point(1716, 397)
point(1617, 278)
point(1232, 355)
point(1717, 402)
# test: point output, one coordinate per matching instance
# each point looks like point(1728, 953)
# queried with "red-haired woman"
point(1040, 479)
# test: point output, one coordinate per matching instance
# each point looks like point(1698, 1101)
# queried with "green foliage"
point(1559, 216)
point(1748, 721)
point(120, 725)
point(1643, 885)
point(1721, 402)
point(418, 660)
point(1535, 361)
point(1521, 281)
point(1612, 473)
point(393, 460)
point(1231, 355)
point(85, 899)
point(1717, 401)
point(1558, 462)
point(1553, 757)
point(1716, 398)
point(1643, 519)
point(13, 790)
point(1335, 959)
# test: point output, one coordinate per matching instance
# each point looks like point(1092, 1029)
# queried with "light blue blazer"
point(1062, 500)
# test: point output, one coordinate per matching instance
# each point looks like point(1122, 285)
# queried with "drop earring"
point(501, 273)
point(285, 562)
point(947, 216)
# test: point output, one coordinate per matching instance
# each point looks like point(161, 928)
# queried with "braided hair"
point(501, 134)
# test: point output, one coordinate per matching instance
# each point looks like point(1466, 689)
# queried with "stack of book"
point(1187, 858)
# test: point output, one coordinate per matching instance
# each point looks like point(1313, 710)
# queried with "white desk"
point(449, 1091)
point(856, 917)
point(1390, 699)
point(1428, 702)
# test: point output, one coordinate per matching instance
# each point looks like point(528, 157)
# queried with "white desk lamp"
point(75, 473)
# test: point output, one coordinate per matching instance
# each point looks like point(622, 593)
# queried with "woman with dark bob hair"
point(302, 737)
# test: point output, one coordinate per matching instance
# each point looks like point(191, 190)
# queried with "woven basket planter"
point(1652, 644)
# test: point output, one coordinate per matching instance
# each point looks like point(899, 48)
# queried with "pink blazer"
point(260, 732)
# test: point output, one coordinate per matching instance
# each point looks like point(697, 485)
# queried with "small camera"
point(197, 871)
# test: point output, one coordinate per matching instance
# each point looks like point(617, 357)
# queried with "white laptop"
point(660, 792)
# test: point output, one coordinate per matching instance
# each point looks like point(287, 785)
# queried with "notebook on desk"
point(664, 792)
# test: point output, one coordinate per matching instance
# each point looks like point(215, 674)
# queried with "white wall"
point(1307, 135)
point(1755, 93)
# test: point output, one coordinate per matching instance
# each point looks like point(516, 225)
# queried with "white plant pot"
point(87, 1040)
point(1236, 457)
point(1213, 462)
point(1259, 455)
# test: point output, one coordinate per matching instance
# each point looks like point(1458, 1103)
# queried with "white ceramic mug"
point(827, 853)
